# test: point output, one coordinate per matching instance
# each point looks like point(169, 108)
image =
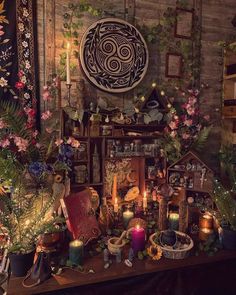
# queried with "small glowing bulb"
point(154, 84)
point(169, 106)
point(162, 93)
point(142, 98)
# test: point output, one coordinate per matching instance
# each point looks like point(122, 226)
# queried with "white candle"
point(116, 207)
point(144, 200)
point(68, 81)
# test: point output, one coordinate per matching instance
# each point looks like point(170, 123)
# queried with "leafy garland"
point(71, 26)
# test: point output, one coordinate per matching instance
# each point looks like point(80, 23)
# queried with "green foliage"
point(210, 247)
point(225, 203)
point(201, 139)
point(25, 217)
point(71, 28)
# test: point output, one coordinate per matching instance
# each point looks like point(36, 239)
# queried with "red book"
point(80, 217)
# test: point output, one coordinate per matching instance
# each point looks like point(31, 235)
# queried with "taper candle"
point(68, 80)
point(138, 239)
point(114, 188)
point(144, 201)
point(116, 207)
point(76, 252)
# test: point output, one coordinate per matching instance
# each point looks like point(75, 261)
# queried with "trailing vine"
point(72, 24)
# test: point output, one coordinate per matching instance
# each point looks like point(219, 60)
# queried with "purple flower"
point(37, 169)
point(66, 150)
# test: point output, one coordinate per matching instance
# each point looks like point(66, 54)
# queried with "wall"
point(216, 25)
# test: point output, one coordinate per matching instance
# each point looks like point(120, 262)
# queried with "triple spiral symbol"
point(113, 55)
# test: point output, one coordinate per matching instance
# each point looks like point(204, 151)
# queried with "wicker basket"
point(171, 253)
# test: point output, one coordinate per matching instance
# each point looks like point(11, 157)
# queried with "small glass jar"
point(138, 147)
point(127, 148)
point(106, 130)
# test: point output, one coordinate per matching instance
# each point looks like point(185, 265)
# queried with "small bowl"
point(112, 247)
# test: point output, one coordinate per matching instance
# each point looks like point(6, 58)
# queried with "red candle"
point(138, 239)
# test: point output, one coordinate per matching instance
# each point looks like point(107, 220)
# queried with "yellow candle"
point(116, 207)
point(114, 188)
point(68, 80)
point(204, 233)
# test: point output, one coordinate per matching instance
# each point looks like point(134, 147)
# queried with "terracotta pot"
point(21, 263)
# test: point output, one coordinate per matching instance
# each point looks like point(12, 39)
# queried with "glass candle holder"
point(76, 252)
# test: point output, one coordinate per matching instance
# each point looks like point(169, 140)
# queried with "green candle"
point(76, 252)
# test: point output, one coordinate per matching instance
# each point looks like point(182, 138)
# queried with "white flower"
point(27, 64)
point(27, 35)
point(25, 44)
point(25, 12)
point(26, 96)
point(21, 27)
point(3, 82)
point(23, 79)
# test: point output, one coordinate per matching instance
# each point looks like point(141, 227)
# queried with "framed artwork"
point(184, 23)
point(173, 65)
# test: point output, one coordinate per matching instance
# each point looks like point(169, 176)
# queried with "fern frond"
point(201, 140)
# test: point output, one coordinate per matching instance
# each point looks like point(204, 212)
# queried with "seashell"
point(128, 263)
point(132, 194)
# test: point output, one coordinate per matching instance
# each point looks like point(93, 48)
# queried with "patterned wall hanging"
point(18, 57)
point(114, 55)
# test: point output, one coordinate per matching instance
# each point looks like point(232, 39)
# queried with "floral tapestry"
point(17, 53)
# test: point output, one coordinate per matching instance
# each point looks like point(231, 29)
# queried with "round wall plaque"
point(114, 55)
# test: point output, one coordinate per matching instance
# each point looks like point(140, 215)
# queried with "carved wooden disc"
point(114, 55)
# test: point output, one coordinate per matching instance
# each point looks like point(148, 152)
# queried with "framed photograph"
point(173, 65)
point(184, 23)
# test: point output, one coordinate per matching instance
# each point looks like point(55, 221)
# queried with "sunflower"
point(154, 252)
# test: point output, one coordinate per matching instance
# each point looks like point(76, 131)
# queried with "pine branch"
point(201, 140)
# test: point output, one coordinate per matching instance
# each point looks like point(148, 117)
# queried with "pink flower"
point(5, 143)
point(46, 96)
point(73, 142)
point(207, 117)
point(192, 100)
point(46, 115)
point(30, 112)
point(199, 127)
point(1, 31)
point(38, 145)
point(185, 136)
point(21, 143)
point(20, 74)
point(173, 125)
point(35, 133)
point(190, 111)
point(58, 142)
point(2, 124)
point(188, 122)
point(19, 85)
point(173, 134)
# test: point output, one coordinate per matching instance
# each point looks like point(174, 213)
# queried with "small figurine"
point(118, 256)
point(106, 255)
point(131, 254)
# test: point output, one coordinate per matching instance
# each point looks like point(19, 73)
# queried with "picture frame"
point(184, 23)
point(173, 65)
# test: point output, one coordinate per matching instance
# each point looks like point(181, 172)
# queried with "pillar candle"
point(114, 188)
point(76, 252)
point(127, 216)
point(206, 221)
point(68, 81)
point(205, 233)
point(138, 239)
point(174, 221)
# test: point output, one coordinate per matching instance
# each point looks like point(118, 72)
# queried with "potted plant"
point(226, 205)
point(29, 168)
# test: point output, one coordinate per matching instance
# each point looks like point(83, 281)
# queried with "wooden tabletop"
point(70, 278)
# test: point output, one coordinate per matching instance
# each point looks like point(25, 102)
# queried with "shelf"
point(230, 77)
point(74, 185)
point(79, 161)
point(131, 156)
